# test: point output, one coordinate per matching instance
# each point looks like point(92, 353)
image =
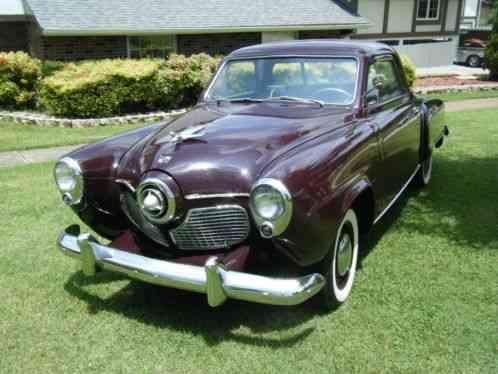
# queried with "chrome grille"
point(212, 228)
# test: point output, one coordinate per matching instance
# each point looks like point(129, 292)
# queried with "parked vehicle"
point(293, 152)
point(471, 53)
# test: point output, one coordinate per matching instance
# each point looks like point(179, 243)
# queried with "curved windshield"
point(327, 80)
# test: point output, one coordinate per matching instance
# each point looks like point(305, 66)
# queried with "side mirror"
point(379, 81)
point(372, 95)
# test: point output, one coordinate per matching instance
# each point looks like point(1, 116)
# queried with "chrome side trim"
point(393, 201)
point(230, 195)
point(212, 279)
point(125, 183)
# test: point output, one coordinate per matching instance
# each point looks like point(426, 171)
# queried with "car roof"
point(313, 47)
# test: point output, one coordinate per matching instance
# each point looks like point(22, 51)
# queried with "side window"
point(392, 87)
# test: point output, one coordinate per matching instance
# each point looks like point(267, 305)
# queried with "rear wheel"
point(424, 174)
point(339, 266)
point(474, 61)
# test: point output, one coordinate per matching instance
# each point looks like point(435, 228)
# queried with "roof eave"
point(108, 32)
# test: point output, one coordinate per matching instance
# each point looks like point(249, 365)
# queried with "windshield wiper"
point(242, 100)
point(297, 99)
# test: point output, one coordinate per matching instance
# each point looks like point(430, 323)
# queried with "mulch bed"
point(450, 80)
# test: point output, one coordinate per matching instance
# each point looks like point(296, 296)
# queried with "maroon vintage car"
point(293, 152)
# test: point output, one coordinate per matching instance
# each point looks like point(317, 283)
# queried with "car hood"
point(224, 148)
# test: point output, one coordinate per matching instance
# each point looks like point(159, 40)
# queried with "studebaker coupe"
point(293, 152)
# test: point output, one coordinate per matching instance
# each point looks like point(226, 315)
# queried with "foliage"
point(100, 88)
point(109, 87)
point(409, 69)
point(181, 79)
point(493, 16)
point(19, 75)
point(49, 67)
point(491, 57)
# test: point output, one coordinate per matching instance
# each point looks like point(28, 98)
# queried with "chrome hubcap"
point(344, 255)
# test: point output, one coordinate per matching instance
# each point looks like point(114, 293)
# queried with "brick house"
point(90, 29)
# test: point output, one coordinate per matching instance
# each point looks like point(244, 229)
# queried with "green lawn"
point(459, 96)
point(16, 136)
point(425, 298)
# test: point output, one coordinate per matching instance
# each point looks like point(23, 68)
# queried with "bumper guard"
point(212, 279)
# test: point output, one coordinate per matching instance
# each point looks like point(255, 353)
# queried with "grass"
point(459, 96)
point(425, 298)
point(21, 137)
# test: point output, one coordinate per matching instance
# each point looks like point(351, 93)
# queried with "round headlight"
point(271, 205)
point(268, 202)
point(69, 180)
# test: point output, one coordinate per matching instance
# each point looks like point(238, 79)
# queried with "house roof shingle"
point(148, 16)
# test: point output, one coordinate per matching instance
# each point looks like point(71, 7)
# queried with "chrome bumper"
point(212, 279)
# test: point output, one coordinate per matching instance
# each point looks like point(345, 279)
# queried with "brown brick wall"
point(13, 36)
point(324, 34)
point(216, 44)
point(79, 47)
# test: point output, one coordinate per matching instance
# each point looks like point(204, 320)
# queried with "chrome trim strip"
point(393, 201)
point(125, 183)
point(198, 196)
point(213, 279)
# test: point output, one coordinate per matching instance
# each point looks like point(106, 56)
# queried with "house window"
point(157, 46)
point(428, 10)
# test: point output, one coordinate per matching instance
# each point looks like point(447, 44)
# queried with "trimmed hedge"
point(109, 87)
point(100, 88)
point(410, 70)
point(19, 76)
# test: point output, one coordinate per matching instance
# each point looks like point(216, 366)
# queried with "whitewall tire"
point(339, 266)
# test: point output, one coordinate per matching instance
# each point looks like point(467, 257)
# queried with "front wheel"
point(339, 266)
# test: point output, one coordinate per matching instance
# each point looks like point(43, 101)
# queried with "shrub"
point(19, 76)
point(491, 57)
point(182, 79)
point(109, 87)
point(51, 67)
point(100, 88)
point(409, 69)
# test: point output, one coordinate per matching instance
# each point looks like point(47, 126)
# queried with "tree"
point(491, 52)
point(493, 17)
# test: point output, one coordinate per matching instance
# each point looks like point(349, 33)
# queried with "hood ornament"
point(188, 133)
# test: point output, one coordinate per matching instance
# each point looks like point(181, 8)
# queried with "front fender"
point(324, 178)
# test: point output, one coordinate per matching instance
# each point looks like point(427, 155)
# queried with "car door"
point(392, 110)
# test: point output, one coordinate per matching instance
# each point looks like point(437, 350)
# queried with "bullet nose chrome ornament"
point(153, 202)
point(156, 200)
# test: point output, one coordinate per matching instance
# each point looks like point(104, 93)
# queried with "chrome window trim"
point(280, 223)
point(170, 198)
point(321, 56)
